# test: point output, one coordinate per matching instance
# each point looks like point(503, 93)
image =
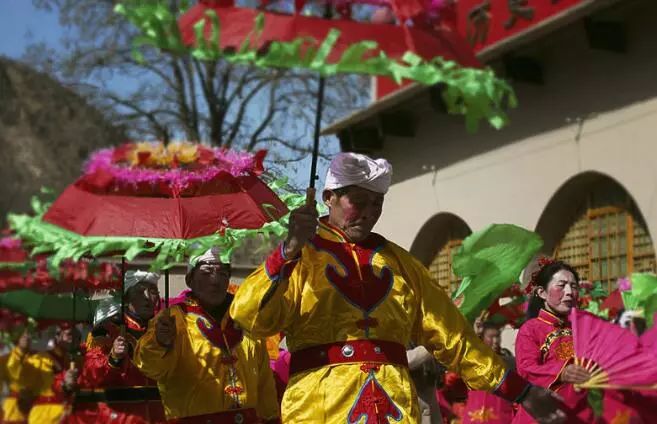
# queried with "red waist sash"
point(348, 352)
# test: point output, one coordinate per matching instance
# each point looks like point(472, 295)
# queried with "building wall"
point(597, 111)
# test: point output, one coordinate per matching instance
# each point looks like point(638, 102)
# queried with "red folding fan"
point(613, 355)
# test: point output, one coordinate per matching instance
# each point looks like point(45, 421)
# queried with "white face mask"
point(626, 319)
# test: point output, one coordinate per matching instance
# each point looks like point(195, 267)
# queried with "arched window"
point(593, 223)
point(436, 244)
point(441, 267)
point(607, 243)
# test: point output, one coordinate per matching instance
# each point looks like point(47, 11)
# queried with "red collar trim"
point(335, 231)
point(550, 318)
point(133, 324)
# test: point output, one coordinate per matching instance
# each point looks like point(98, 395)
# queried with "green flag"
point(490, 261)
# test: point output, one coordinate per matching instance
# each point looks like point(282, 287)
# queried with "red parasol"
point(393, 40)
point(238, 205)
point(167, 202)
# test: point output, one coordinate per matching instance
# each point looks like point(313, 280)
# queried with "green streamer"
point(476, 93)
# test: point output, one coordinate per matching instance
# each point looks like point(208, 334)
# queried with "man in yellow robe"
point(42, 375)
point(11, 412)
point(350, 302)
point(206, 369)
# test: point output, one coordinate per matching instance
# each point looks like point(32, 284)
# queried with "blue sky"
point(21, 23)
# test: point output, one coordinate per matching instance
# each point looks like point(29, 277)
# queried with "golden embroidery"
point(560, 332)
point(482, 415)
point(565, 350)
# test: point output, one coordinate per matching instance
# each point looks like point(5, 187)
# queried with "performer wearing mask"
point(349, 301)
point(206, 368)
point(110, 388)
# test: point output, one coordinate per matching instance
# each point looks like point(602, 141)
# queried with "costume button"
point(239, 418)
point(347, 351)
point(377, 349)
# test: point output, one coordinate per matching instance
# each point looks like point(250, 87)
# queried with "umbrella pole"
point(318, 128)
point(122, 296)
point(74, 303)
point(73, 348)
point(166, 288)
point(318, 124)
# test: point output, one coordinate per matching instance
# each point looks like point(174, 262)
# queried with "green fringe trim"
point(64, 244)
point(476, 93)
point(17, 266)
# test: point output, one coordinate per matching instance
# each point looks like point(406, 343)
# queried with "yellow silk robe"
point(309, 299)
point(193, 379)
point(10, 411)
point(35, 373)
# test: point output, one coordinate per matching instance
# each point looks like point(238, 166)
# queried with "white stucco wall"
point(510, 175)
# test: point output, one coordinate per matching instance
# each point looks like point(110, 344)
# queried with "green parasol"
point(49, 306)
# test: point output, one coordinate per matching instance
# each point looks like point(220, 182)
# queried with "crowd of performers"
point(370, 337)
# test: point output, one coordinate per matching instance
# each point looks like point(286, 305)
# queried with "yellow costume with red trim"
point(349, 310)
point(37, 374)
point(212, 370)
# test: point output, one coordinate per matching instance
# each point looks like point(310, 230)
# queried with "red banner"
point(486, 22)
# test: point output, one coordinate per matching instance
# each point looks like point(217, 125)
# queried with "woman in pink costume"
point(544, 346)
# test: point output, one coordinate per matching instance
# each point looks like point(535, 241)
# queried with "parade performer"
point(42, 375)
point(14, 406)
point(544, 345)
point(349, 302)
point(110, 388)
point(481, 406)
point(206, 368)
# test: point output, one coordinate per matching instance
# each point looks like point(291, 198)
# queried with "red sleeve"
point(97, 372)
point(529, 362)
point(58, 383)
point(278, 267)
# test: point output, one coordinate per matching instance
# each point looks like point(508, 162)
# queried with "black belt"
point(118, 394)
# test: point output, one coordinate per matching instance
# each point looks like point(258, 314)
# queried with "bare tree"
point(167, 96)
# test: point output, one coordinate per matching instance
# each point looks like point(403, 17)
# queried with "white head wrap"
point(627, 317)
point(132, 278)
point(348, 169)
point(211, 255)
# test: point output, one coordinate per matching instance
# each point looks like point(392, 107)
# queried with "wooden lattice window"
point(605, 244)
point(441, 267)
